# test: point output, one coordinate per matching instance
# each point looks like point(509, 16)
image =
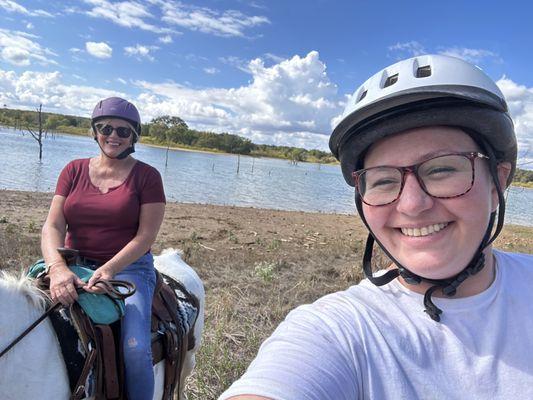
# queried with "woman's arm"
point(150, 219)
point(62, 281)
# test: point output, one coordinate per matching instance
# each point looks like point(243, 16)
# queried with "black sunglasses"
point(122, 131)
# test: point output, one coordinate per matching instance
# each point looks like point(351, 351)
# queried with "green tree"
point(170, 122)
point(158, 131)
point(54, 121)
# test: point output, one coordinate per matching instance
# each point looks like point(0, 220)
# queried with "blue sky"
point(277, 72)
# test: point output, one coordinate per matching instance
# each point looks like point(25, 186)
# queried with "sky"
point(274, 71)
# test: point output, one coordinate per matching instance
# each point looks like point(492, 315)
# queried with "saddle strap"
point(79, 391)
point(174, 363)
point(87, 336)
point(107, 352)
point(171, 363)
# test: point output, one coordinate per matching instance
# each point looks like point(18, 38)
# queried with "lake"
point(196, 177)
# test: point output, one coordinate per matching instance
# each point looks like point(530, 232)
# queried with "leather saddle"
point(92, 352)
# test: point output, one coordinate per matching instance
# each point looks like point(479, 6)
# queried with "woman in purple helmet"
point(110, 208)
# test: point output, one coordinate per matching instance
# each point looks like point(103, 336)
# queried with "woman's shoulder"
point(78, 164)
point(514, 259)
point(145, 168)
point(514, 263)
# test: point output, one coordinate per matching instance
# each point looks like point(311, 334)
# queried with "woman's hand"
point(102, 273)
point(63, 284)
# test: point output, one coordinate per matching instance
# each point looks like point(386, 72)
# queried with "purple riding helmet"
point(116, 107)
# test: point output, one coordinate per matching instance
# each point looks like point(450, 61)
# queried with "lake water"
point(195, 177)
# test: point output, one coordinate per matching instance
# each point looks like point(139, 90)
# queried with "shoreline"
point(230, 206)
point(177, 202)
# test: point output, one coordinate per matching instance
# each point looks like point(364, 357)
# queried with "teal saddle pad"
point(101, 308)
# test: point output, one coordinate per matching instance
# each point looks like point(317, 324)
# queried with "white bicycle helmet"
point(422, 91)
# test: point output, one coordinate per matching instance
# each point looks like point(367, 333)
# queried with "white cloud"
point(235, 62)
point(167, 39)
point(273, 57)
point(211, 70)
point(407, 49)
point(29, 25)
point(99, 49)
point(13, 7)
point(414, 48)
point(19, 48)
point(160, 16)
point(129, 14)
point(471, 55)
point(227, 23)
point(30, 88)
point(139, 51)
point(520, 101)
point(290, 103)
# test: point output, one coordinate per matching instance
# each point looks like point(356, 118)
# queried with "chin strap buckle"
point(409, 277)
point(430, 308)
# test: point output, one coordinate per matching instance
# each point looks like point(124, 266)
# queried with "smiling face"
point(434, 238)
point(113, 145)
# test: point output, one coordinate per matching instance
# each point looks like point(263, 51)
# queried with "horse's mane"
point(16, 286)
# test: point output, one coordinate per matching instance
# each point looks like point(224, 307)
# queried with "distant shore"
point(143, 141)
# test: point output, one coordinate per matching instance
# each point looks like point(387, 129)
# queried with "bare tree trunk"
point(166, 158)
point(39, 134)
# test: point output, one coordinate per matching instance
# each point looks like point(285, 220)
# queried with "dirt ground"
point(256, 266)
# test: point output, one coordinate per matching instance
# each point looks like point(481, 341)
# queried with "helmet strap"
point(122, 155)
point(126, 152)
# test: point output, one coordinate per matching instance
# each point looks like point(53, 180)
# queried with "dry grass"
point(256, 266)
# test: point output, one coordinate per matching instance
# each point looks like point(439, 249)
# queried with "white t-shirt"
point(373, 342)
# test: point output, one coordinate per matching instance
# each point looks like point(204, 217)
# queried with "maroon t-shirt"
point(100, 224)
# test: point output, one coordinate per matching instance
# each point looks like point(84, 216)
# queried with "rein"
point(108, 286)
point(30, 328)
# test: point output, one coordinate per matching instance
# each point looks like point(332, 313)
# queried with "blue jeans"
point(136, 336)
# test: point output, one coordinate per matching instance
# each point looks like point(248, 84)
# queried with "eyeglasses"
point(443, 177)
point(106, 130)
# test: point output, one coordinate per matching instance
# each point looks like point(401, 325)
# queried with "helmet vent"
point(362, 96)
point(424, 71)
point(391, 80)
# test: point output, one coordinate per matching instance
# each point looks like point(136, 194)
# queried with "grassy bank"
point(256, 265)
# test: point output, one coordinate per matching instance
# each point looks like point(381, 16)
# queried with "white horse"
point(34, 368)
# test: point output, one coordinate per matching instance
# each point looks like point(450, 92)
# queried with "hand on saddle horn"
point(101, 274)
point(63, 284)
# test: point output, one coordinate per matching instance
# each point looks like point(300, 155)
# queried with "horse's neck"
point(33, 368)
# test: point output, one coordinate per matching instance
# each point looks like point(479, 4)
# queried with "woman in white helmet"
point(429, 146)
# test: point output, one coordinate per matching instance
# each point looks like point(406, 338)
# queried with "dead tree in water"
point(39, 134)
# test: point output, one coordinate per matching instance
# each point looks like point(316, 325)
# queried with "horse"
point(34, 367)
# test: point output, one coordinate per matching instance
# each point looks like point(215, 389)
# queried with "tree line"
point(523, 176)
point(167, 131)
